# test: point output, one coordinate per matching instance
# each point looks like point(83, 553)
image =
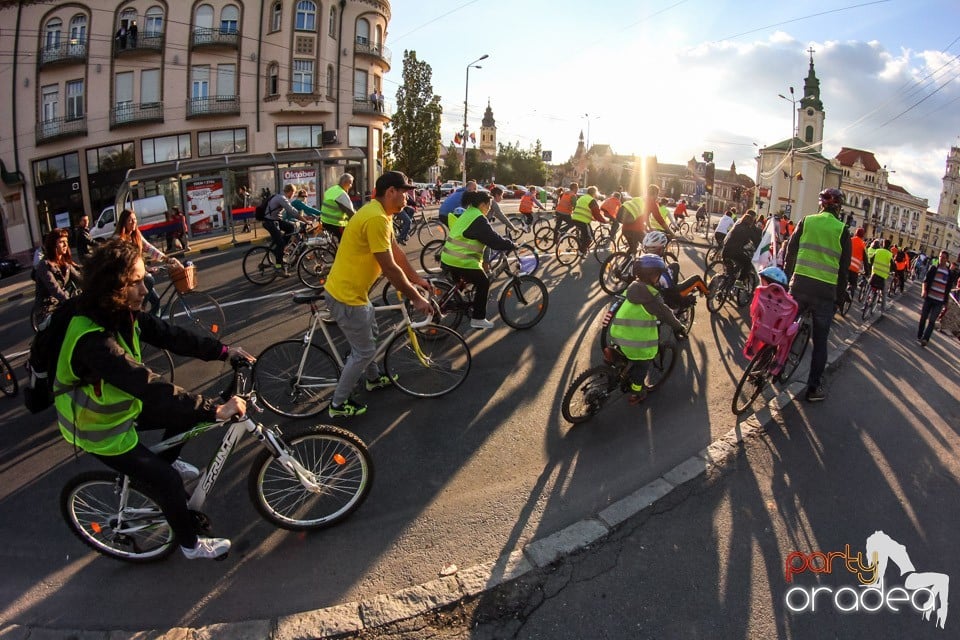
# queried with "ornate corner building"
point(93, 89)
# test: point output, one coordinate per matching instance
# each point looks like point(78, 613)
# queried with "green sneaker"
point(347, 409)
point(380, 383)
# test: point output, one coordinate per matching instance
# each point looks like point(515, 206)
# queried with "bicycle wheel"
point(519, 223)
point(336, 460)
point(431, 230)
point(313, 265)
point(685, 315)
point(527, 257)
point(712, 256)
point(199, 312)
point(450, 301)
point(662, 365)
point(616, 273)
point(753, 380)
point(716, 293)
point(258, 266)
point(685, 231)
point(432, 363)
point(545, 238)
point(293, 394)
point(745, 292)
point(846, 304)
point(430, 256)
point(568, 248)
point(523, 302)
point(797, 348)
point(673, 246)
point(588, 393)
point(8, 379)
point(158, 361)
point(602, 243)
point(90, 504)
point(870, 304)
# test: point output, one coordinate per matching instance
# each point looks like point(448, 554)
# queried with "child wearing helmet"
point(634, 327)
point(675, 293)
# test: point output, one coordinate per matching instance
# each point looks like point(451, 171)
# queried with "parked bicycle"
point(8, 379)
point(296, 378)
point(311, 478)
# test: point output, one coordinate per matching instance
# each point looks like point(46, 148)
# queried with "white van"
point(151, 213)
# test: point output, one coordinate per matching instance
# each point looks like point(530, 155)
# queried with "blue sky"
point(673, 78)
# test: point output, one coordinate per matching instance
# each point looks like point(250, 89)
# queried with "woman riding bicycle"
point(57, 276)
point(104, 394)
point(740, 243)
point(128, 231)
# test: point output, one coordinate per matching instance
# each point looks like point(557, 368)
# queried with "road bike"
point(594, 388)
point(310, 478)
point(309, 251)
point(8, 379)
point(725, 285)
point(876, 297)
point(185, 306)
point(296, 378)
point(773, 362)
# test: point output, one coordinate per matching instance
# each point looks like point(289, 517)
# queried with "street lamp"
point(793, 136)
point(466, 95)
point(586, 165)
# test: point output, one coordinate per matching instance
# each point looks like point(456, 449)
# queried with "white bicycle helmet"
point(654, 241)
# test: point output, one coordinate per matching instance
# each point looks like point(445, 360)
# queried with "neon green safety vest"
point(635, 330)
point(96, 418)
point(581, 212)
point(819, 254)
point(459, 251)
point(633, 210)
point(881, 263)
point(330, 211)
point(654, 224)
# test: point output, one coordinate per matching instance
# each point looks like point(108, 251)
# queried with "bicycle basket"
point(184, 278)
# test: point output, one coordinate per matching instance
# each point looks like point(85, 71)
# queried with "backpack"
point(260, 213)
point(44, 353)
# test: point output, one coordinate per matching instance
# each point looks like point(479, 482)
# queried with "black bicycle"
point(725, 285)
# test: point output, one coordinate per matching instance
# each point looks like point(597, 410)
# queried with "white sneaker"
point(481, 324)
point(208, 548)
point(186, 470)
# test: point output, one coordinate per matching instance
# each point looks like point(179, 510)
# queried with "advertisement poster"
point(305, 179)
point(205, 205)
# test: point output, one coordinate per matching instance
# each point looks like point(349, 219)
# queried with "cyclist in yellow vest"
point(634, 327)
point(881, 262)
point(337, 208)
point(585, 210)
point(818, 257)
point(462, 255)
point(105, 395)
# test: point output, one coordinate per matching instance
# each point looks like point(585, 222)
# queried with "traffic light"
point(709, 174)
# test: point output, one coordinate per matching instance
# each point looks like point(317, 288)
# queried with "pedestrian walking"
point(936, 287)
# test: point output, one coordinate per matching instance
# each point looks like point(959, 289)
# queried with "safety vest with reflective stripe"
point(330, 211)
point(634, 329)
point(819, 255)
point(581, 212)
point(565, 203)
point(459, 251)
point(96, 418)
point(881, 259)
point(858, 251)
point(633, 218)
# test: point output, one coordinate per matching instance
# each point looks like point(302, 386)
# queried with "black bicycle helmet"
point(831, 200)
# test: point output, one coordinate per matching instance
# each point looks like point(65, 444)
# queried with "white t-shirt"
point(725, 223)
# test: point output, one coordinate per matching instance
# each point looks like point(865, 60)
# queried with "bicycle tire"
point(755, 375)
point(445, 365)
point(745, 294)
point(588, 394)
point(89, 503)
point(568, 249)
point(673, 247)
point(846, 304)
point(199, 312)
point(451, 303)
point(797, 348)
point(685, 231)
point(341, 465)
point(712, 255)
point(716, 293)
point(159, 361)
point(278, 386)
point(519, 227)
point(869, 305)
point(616, 273)
point(8, 379)
point(258, 266)
point(541, 223)
point(602, 243)
point(523, 302)
point(430, 256)
point(686, 315)
point(527, 257)
point(661, 366)
point(313, 266)
point(545, 238)
point(430, 230)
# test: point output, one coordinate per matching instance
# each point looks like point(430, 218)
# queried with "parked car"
point(447, 188)
point(9, 267)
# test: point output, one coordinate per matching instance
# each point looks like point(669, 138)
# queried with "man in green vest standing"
point(818, 257)
point(336, 207)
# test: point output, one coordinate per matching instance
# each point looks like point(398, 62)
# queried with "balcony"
point(215, 106)
point(57, 128)
point(63, 53)
point(367, 48)
point(148, 42)
point(208, 37)
point(365, 105)
point(127, 114)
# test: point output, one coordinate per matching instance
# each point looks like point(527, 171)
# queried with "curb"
point(381, 610)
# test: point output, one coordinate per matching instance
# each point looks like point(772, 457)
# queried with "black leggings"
point(583, 229)
point(481, 288)
point(278, 230)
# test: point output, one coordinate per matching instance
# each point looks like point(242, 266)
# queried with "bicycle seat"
point(307, 298)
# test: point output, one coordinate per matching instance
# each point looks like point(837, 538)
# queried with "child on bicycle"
point(634, 327)
point(766, 327)
point(675, 293)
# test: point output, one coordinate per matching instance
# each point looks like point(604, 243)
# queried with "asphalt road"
point(461, 479)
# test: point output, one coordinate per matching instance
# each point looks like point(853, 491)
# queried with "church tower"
point(488, 132)
point(950, 195)
point(810, 113)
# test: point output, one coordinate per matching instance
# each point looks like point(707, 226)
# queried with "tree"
point(451, 164)
point(415, 141)
point(518, 166)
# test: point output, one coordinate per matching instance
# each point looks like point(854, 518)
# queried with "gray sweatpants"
point(359, 327)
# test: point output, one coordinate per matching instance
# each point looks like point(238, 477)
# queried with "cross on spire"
point(811, 50)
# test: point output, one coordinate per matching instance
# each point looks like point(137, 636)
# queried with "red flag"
point(473, 138)
point(457, 139)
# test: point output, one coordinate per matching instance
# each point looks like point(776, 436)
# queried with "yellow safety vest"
point(459, 251)
point(330, 211)
point(581, 212)
point(634, 329)
point(818, 257)
point(881, 263)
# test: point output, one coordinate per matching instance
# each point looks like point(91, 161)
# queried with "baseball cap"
point(394, 179)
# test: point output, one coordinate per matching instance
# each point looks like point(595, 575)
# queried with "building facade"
point(97, 88)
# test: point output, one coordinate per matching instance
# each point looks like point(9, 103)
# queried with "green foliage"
point(451, 165)
point(518, 166)
point(415, 142)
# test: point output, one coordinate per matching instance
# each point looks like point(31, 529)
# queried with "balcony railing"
point(207, 37)
point(129, 113)
point(65, 127)
point(213, 106)
point(146, 42)
point(365, 105)
point(63, 52)
point(364, 46)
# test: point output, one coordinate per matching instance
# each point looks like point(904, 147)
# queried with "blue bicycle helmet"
point(775, 274)
point(649, 264)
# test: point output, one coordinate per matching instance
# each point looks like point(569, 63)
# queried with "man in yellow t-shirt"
point(367, 248)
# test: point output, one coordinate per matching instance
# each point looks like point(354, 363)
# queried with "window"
point(378, 40)
point(330, 94)
point(154, 22)
point(110, 158)
point(78, 29)
point(273, 79)
point(50, 99)
point(123, 88)
point(332, 30)
point(74, 99)
point(303, 76)
point(229, 19)
point(200, 82)
point(128, 17)
point(360, 79)
point(226, 81)
point(57, 168)
point(357, 137)
point(276, 17)
point(165, 149)
point(808, 134)
point(52, 36)
point(204, 17)
point(306, 16)
point(149, 86)
point(363, 31)
point(299, 136)
point(223, 141)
